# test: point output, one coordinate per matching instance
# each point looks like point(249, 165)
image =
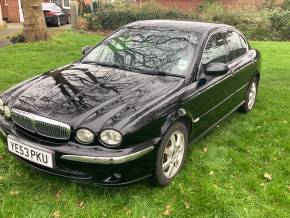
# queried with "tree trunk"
point(34, 22)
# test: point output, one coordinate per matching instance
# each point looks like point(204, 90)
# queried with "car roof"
point(201, 27)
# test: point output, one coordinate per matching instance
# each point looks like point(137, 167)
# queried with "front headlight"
point(7, 112)
point(1, 106)
point(111, 137)
point(85, 136)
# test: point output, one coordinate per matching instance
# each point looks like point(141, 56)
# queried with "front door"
point(207, 102)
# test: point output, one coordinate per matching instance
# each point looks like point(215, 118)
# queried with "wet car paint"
point(142, 107)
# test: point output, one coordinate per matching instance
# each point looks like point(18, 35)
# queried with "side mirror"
point(86, 49)
point(216, 69)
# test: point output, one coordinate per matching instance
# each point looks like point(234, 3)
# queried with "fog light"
point(7, 112)
point(85, 136)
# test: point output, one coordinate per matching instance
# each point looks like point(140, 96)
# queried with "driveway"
point(16, 28)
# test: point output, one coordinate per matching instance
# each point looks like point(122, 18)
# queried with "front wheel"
point(171, 154)
point(250, 97)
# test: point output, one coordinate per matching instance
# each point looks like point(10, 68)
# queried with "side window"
point(236, 46)
point(245, 45)
point(215, 50)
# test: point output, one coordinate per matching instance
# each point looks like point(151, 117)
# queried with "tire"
point(58, 23)
point(251, 96)
point(171, 154)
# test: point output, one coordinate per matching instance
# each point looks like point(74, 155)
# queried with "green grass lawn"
point(225, 172)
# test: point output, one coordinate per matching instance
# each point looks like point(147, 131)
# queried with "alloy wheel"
point(252, 95)
point(173, 154)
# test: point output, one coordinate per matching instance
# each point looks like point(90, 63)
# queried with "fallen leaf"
point(211, 173)
point(168, 210)
point(289, 188)
point(14, 193)
point(268, 176)
point(81, 205)
point(181, 187)
point(285, 121)
point(56, 214)
point(58, 194)
point(205, 150)
point(127, 210)
point(187, 204)
point(1, 178)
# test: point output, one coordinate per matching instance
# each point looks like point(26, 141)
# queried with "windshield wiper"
point(157, 72)
point(123, 67)
point(133, 69)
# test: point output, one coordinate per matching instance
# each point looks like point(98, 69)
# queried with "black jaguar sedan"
point(132, 105)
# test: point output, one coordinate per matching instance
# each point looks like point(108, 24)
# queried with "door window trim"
point(209, 36)
point(226, 44)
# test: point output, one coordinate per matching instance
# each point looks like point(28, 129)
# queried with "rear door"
point(240, 59)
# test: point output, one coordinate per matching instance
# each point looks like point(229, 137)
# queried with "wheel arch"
point(179, 115)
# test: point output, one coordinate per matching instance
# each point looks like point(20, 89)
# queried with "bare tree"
point(34, 23)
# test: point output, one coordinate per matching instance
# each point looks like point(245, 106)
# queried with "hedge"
point(268, 24)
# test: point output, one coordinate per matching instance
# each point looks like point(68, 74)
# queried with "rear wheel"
point(171, 154)
point(251, 97)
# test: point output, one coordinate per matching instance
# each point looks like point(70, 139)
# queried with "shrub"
point(256, 24)
point(108, 16)
point(280, 21)
point(19, 38)
point(286, 4)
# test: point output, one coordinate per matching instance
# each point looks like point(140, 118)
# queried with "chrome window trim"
point(36, 118)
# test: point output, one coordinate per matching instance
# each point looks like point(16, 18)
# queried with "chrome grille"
point(41, 125)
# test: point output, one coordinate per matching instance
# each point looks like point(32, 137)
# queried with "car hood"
point(96, 97)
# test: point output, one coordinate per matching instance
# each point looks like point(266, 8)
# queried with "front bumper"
point(96, 165)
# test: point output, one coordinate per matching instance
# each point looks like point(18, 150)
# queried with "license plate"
point(31, 152)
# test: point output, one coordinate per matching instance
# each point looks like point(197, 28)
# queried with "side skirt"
point(214, 125)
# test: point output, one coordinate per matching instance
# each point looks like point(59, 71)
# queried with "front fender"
point(180, 115)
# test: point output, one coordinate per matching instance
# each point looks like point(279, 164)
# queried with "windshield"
point(147, 50)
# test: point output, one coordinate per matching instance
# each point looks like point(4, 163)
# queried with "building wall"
point(11, 10)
